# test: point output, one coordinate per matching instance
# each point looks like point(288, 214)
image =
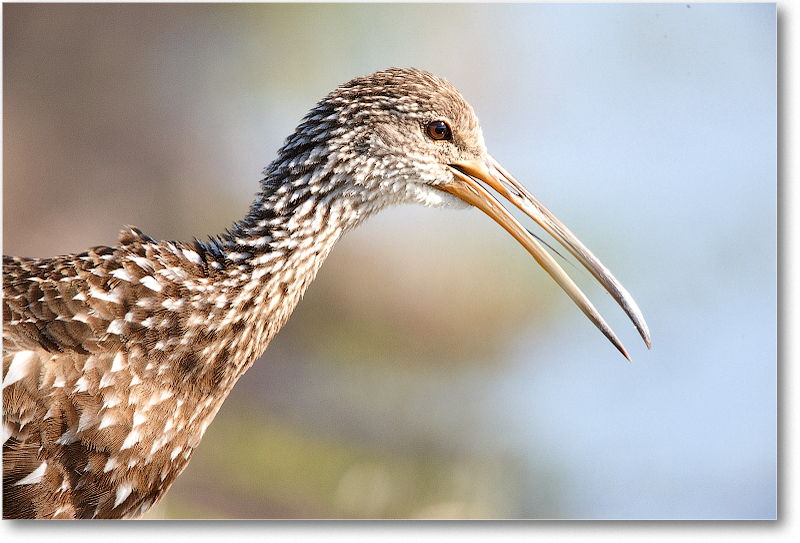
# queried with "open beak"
point(466, 184)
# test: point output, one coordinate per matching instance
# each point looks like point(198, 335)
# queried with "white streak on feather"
point(174, 274)
point(143, 263)
point(145, 506)
point(111, 296)
point(123, 491)
point(193, 256)
point(106, 381)
point(122, 273)
point(110, 464)
point(119, 362)
point(267, 257)
point(81, 385)
point(115, 327)
point(107, 420)
point(151, 283)
point(81, 317)
point(138, 419)
point(112, 399)
point(87, 420)
point(173, 304)
point(158, 443)
point(33, 477)
point(131, 440)
point(67, 437)
point(21, 366)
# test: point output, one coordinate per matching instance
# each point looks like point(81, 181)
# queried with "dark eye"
point(438, 130)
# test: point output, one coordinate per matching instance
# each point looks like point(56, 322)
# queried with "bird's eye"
point(439, 130)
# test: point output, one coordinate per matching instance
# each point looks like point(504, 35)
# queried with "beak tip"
point(645, 333)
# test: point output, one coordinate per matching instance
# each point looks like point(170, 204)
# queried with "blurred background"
point(433, 369)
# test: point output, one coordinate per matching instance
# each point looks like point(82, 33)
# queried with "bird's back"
point(86, 433)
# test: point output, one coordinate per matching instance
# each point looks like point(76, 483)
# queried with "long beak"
point(466, 184)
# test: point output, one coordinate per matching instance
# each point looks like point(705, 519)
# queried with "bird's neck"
point(261, 266)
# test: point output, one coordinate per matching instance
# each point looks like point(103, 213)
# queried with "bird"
point(116, 359)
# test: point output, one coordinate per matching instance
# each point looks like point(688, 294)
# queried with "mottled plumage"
point(116, 360)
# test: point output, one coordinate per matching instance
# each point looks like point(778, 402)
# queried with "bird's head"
point(406, 136)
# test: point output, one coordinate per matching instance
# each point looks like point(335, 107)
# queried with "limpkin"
point(116, 360)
